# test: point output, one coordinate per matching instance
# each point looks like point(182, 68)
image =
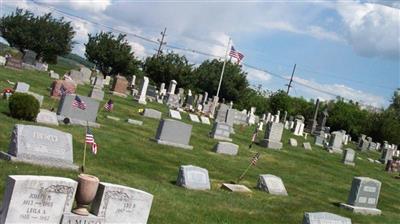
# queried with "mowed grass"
point(315, 180)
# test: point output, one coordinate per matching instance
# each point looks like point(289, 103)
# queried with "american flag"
point(109, 105)
point(236, 54)
point(255, 159)
point(78, 103)
point(90, 140)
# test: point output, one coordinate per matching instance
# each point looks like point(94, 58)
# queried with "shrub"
point(23, 106)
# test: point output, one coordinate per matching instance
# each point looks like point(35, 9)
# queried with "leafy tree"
point(253, 98)
point(111, 54)
point(396, 102)
point(167, 67)
point(47, 36)
point(280, 101)
point(206, 78)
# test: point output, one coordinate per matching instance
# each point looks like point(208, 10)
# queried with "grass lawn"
point(315, 180)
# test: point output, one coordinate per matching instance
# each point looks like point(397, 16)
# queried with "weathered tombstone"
point(37, 199)
point(171, 87)
point(97, 94)
point(307, 146)
point(172, 101)
point(273, 136)
point(372, 146)
point(77, 76)
point(363, 197)
point(194, 118)
point(335, 143)
point(363, 143)
point(21, 87)
point(40, 145)
point(226, 148)
point(324, 218)
point(174, 133)
point(251, 116)
point(175, 114)
point(57, 85)
point(152, 113)
point(2, 61)
point(151, 93)
point(41, 66)
point(193, 177)
point(222, 112)
point(29, 57)
point(292, 142)
point(86, 73)
point(47, 117)
point(14, 63)
point(76, 115)
point(221, 131)
point(320, 139)
point(387, 154)
point(236, 188)
point(99, 81)
point(107, 80)
point(205, 120)
point(271, 184)
point(120, 86)
point(143, 90)
point(54, 75)
point(121, 204)
point(348, 156)
point(299, 128)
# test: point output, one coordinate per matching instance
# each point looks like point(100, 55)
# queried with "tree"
point(206, 78)
point(253, 98)
point(47, 36)
point(395, 106)
point(111, 54)
point(167, 67)
point(281, 101)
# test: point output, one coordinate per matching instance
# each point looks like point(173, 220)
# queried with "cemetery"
point(140, 155)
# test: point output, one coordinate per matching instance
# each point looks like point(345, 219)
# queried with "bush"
point(23, 106)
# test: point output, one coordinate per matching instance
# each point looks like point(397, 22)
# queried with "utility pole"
point(161, 41)
point(291, 80)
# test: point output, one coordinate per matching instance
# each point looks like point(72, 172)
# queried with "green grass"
point(315, 180)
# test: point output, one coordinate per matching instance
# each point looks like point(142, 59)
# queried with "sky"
point(346, 48)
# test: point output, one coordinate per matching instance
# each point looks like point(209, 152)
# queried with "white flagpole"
point(223, 67)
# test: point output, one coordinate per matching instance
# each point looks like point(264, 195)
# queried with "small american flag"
point(78, 103)
point(89, 139)
point(255, 159)
point(236, 54)
point(109, 105)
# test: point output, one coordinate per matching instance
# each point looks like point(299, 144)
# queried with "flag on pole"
point(255, 159)
point(89, 139)
point(78, 103)
point(109, 105)
point(236, 54)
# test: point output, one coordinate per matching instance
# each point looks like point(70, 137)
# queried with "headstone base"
point(361, 210)
point(162, 142)
point(119, 94)
point(143, 102)
point(349, 163)
point(222, 138)
point(236, 188)
point(78, 122)
point(271, 145)
point(38, 161)
point(70, 218)
point(335, 150)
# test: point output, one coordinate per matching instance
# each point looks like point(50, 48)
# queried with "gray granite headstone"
point(273, 136)
point(193, 177)
point(29, 57)
point(77, 76)
point(66, 109)
point(221, 131)
point(348, 156)
point(121, 204)
point(40, 145)
point(135, 122)
point(194, 118)
point(97, 94)
point(271, 184)
point(222, 111)
point(204, 120)
point(172, 101)
point(86, 74)
point(174, 133)
point(324, 218)
point(335, 143)
point(226, 148)
point(47, 117)
point(175, 114)
point(364, 195)
point(21, 87)
point(152, 113)
point(387, 154)
point(37, 199)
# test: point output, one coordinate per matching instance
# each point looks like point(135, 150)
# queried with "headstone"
point(143, 90)
point(348, 156)
point(335, 143)
point(2, 61)
point(14, 63)
point(307, 146)
point(205, 120)
point(226, 148)
point(97, 94)
point(171, 87)
point(320, 139)
point(37, 199)
point(121, 204)
point(86, 73)
point(221, 131)
point(387, 154)
point(194, 118)
point(99, 82)
point(29, 57)
point(113, 118)
point(41, 66)
point(68, 85)
point(76, 76)
point(135, 122)
point(251, 116)
point(78, 116)
point(38, 97)
point(21, 87)
point(40, 145)
point(222, 112)
point(120, 86)
point(133, 81)
point(293, 142)
point(175, 114)
point(47, 117)
point(174, 133)
point(273, 136)
point(54, 75)
point(172, 101)
point(107, 80)
point(298, 131)
point(151, 93)
point(236, 188)
point(69, 218)
point(363, 197)
point(193, 177)
point(152, 113)
point(324, 218)
point(271, 184)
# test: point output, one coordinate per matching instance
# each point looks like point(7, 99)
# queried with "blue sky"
point(346, 48)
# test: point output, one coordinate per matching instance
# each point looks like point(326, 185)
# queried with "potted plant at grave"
point(87, 184)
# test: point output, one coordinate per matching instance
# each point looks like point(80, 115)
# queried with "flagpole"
point(84, 150)
point(223, 67)
point(244, 173)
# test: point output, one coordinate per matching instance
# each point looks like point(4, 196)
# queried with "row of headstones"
point(47, 199)
point(28, 61)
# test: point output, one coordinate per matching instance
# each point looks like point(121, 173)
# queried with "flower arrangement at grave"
point(7, 92)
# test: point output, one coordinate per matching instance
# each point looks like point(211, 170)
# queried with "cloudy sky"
point(347, 48)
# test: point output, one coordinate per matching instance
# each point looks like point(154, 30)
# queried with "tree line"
point(112, 54)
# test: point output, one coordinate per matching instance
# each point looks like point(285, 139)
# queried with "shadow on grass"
point(337, 204)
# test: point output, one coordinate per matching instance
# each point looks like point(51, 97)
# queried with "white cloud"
point(88, 5)
point(139, 50)
point(257, 75)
